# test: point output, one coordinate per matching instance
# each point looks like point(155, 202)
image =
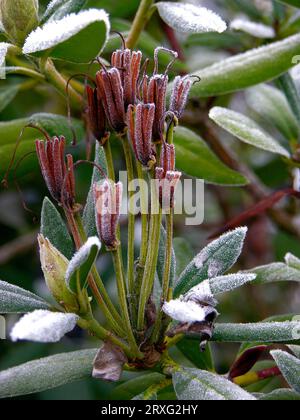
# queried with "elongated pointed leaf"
point(135, 386)
point(294, 3)
point(247, 69)
point(188, 18)
point(54, 228)
point(195, 158)
point(191, 350)
point(276, 272)
point(246, 130)
point(214, 260)
point(272, 105)
point(81, 264)
point(255, 29)
point(64, 38)
point(281, 395)
point(262, 332)
point(194, 384)
point(7, 94)
point(89, 219)
point(289, 367)
point(15, 300)
point(46, 373)
point(183, 254)
point(230, 282)
point(57, 9)
point(287, 84)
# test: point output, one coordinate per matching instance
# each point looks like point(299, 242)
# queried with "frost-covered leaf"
point(81, 264)
point(188, 18)
point(183, 254)
point(161, 259)
point(46, 373)
point(14, 300)
point(4, 47)
point(271, 104)
point(246, 130)
point(281, 395)
point(294, 3)
point(275, 272)
point(292, 261)
point(89, 219)
point(194, 384)
point(58, 9)
point(43, 326)
point(214, 260)
point(7, 94)
point(65, 37)
point(261, 332)
point(248, 69)
point(54, 229)
point(289, 367)
point(196, 159)
point(256, 29)
point(288, 85)
point(230, 282)
point(201, 359)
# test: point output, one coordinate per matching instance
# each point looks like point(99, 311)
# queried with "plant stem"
point(151, 260)
point(154, 389)
point(253, 377)
point(117, 259)
point(131, 219)
point(109, 160)
point(25, 72)
point(141, 18)
point(60, 83)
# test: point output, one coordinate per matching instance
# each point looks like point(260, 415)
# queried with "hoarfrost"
point(258, 30)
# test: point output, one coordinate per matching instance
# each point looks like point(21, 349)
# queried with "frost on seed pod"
point(179, 96)
point(166, 185)
point(110, 93)
point(140, 122)
point(108, 199)
point(195, 312)
point(58, 175)
point(128, 63)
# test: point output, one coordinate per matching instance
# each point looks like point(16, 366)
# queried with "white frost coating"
point(81, 256)
point(58, 31)
point(52, 5)
point(43, 326)
point(253, 28)
point(4, 46)
point(202, 292)
point(296, 182)
point(186, 312)
point(230, 282)
point(188, 18)
point(203, 256)
point(292, 261)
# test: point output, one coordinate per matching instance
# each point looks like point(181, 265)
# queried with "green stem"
point(117, 259)
point(151, 260)
point(141, 18)
point(131, 219)
point(60, 83)
point(25, 72)
point(109, 160)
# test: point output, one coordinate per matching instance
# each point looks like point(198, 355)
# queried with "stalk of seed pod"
point(110, 93)
point(108, 198)
point(96, 115)
point(140, 123)
point(58, 175)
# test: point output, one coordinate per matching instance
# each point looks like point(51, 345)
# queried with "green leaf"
point(188, 18)
point(89, 218)
point(14, 300)
point(130, 389)
point(292, 261)
point(64, 38)
point(81, 264)
point(246, 130)
point(54, 228)
point(262, 332)
point(183, 254)
point(287, 84)
point(230, 282)
point(194, 384)
point(55, 125)
point(115, 8)
point(294, 3)
point(58, 9)
point(195, 158)
point(190, 349)
point(275, 272)
point(161, 259)
point(247, 69)
point(214, 260)
point(7, 95)
point(289, 367)
point(46, 373)
point(281, 395)
point(272, 105)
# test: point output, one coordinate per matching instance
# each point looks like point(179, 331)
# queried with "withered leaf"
point(109, 362)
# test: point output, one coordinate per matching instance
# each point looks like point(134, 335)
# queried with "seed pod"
point(108, 199)
point(179, 96)
point(167, 157)
point(96, 115)
point(166, 184)
point(111, 95)
point(156, 93)
point(19, 18)
point(140, 123)
point(54, 266)
point(58, 175)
